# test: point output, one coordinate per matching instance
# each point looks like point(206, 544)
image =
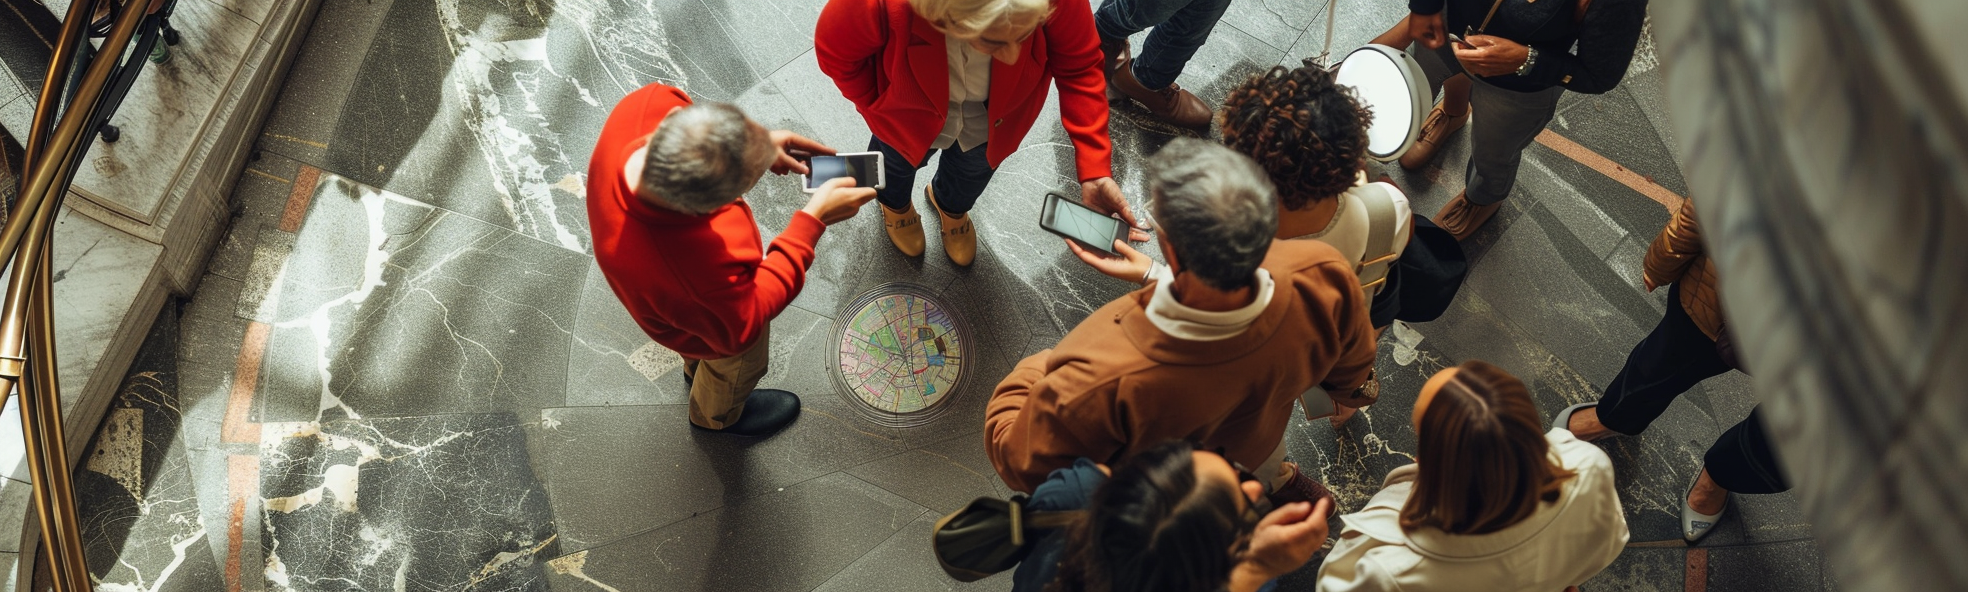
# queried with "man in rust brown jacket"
point(1214, 350)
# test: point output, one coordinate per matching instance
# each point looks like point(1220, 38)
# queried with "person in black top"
point(1515, 58)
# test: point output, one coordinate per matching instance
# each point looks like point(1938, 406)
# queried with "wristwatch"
point(1530, 59)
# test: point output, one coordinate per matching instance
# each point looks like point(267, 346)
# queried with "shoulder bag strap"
point(1380, 237)
point(1486, 18)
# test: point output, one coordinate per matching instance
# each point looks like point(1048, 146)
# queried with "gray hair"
point(1217, 210)
point(700, 158)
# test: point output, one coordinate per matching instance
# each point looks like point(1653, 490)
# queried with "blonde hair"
point(972, 17)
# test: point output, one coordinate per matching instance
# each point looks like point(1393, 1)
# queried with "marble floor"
point(404, 372)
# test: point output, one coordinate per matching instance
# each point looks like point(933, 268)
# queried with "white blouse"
point(1563, 544)
point(968, 123)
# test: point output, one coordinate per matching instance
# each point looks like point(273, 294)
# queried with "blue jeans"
point(1181, 26)
point(960, 178)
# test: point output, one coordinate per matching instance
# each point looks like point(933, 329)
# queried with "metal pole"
point(44, 386)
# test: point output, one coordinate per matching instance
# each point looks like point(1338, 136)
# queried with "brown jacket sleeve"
point(1356, 345)
point(1674, 248)
point(1029, 430)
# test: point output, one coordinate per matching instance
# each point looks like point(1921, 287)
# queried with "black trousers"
point(1671, 360)
point(1742, 461)
point(961, 177)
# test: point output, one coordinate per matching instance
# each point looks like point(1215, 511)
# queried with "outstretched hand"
point(1130, 265)
point(1104, 196)
point(789, 142)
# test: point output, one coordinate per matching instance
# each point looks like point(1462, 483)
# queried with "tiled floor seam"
point(926, 512)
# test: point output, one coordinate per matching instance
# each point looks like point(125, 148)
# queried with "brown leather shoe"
point(1461, 217)
point(904, 229)
point(1178, 107)
point(1434, 131)
point(1301, 488)
point(959, 239)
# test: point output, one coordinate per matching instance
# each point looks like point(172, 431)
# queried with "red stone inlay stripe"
point(1607, 167)
point(239, 427)
point(297, 199)
point(1697, 580)
point(242, 483)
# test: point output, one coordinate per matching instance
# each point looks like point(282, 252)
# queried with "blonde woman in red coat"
point(967, 78)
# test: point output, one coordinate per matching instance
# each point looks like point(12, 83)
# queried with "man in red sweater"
point(678, 244)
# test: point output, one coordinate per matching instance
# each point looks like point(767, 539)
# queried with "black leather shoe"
point(766, 412)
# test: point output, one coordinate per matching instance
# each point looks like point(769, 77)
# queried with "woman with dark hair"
point(1310, 135)
point(1491, 503)
point(1170, 519)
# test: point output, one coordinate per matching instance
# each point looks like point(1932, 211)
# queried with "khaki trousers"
point(721, 386)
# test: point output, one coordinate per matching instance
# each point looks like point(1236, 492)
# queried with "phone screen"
point(825, 168)
point(1085, 225)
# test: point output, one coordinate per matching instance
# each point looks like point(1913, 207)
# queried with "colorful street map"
point(901, 353)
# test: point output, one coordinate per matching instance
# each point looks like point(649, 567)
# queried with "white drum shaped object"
point(1391, 83)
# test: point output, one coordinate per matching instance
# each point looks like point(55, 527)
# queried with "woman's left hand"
point(1104, 196)
point(1491, 55)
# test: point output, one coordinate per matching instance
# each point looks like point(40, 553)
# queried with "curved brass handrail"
point(27, 340)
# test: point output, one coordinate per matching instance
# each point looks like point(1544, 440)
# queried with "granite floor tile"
point(448, 502)
point(301, 124)
point(767, 33)
point(390, 307)
point(1789, 566)
point(942, 476)
point(788, 539)
point(1277, 23)
point(904, 563)
point(1640, 569)
point(615, 472)
point(1561, 298)
point(1614, 126)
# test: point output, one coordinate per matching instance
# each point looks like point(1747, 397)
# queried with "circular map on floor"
point(899, 354)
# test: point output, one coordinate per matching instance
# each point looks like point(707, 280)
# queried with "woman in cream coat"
point(1490, 504)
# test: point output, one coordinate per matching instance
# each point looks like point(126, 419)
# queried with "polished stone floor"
point(403, 371)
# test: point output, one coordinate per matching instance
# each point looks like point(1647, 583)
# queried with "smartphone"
point(1453, 37)
point(864, 167)
point(1093, 230)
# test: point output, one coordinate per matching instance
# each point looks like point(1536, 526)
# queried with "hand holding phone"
point(1092, 229)
point(865, 168)
point(836, 200)
point(1459, 41)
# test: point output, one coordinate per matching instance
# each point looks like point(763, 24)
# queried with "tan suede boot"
point(904, 229)
point(959, 239)
point(1462, 217)
point(1435, 131)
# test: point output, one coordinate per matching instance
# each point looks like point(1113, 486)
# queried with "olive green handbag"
point(990, 535)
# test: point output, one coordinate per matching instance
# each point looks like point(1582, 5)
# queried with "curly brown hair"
point(1305, 130)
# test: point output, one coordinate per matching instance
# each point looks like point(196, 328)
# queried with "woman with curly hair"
point(1310, 135)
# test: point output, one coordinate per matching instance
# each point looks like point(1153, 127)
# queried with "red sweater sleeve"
point(1075, 62)
point(740, 311)
point(847, 43)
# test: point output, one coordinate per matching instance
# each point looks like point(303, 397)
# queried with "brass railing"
point(60, 134)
